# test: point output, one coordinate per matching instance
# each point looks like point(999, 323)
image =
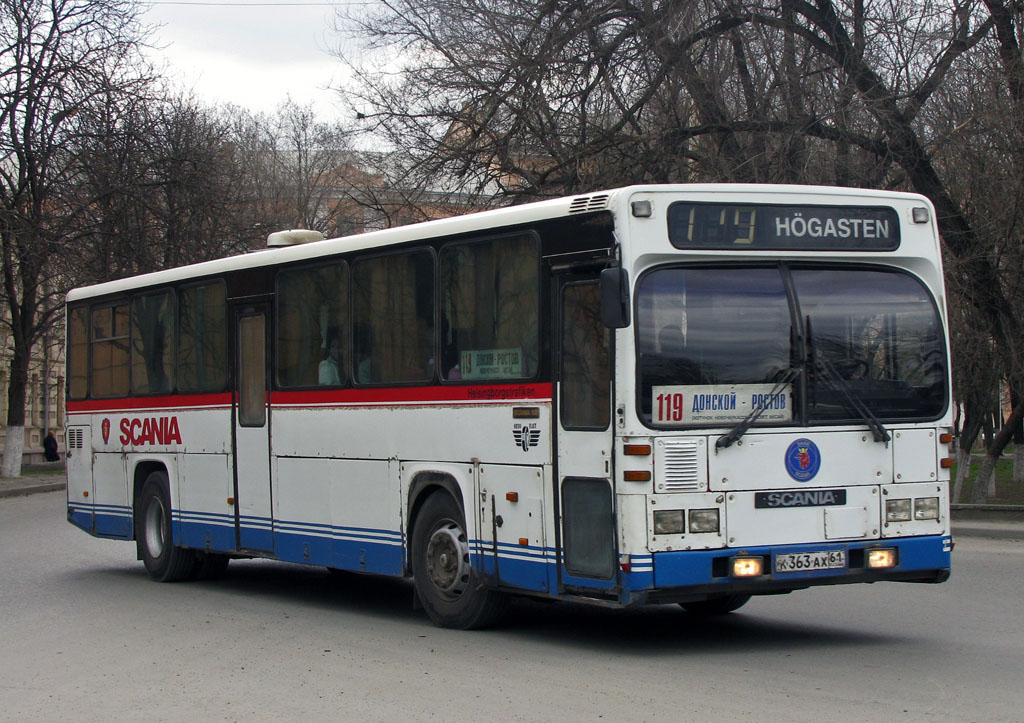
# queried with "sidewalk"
point(991, 521)
point(40, 479)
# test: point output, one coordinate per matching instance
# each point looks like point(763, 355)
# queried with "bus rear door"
point(253, 517)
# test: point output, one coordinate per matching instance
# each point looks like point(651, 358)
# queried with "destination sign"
point(720, 403)
point(784, 228)
point(492, 364)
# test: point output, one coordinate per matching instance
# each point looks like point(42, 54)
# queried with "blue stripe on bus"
point(102, 520)
point(80, 517)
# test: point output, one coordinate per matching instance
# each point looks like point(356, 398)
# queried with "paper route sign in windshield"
point(720, 403)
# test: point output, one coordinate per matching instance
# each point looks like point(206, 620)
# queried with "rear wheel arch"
point(422, 487)
point(141, 473)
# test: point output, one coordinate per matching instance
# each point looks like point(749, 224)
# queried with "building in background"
point(44, 398)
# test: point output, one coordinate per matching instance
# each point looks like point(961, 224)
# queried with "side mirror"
point(615, 298)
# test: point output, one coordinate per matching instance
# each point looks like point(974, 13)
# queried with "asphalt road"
point(85, 636)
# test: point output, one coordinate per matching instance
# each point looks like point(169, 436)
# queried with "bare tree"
point(162, 182)
point(57, 59)
point(527, 98)
point(311, 158)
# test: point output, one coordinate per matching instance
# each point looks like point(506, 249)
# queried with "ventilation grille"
point(585, 204)
point(76, 437)
point(679, 465)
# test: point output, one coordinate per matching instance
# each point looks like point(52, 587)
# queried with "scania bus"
point(686, 394)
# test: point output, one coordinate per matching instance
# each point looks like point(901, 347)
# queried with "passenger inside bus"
point(330, 367)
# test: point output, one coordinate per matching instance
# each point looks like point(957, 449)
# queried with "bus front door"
point(251, 399)
point(584, 438)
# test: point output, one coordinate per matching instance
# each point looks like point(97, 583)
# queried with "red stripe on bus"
point(136, 404)
point(393, 395)
point(416, 395)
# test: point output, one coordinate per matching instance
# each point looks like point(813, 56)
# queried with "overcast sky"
point(249, 52)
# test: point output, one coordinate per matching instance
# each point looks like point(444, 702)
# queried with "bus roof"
point(454, 225)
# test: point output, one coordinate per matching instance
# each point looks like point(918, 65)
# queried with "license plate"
point(808, 561)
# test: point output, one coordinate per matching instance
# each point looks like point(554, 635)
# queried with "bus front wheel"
point(716, 605)
point(445, 581)
point(164, 562)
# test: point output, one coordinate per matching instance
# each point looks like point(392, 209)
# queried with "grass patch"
point(1007, 492)
point(42, 470)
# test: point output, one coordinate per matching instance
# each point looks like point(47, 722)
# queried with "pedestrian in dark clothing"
point(50, 448)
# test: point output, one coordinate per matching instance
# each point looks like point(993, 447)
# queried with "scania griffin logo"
point(526, 436)
point(803, 460)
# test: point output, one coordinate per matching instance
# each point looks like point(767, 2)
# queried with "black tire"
point(448, 587)
point(716, 605)
point(164, 562)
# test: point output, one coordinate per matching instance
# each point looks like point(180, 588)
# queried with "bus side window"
point(202, 338)
point(153, 343)
point(78, 353)
point(312, 326)
point(110, 369)
point(585, 398)
point(393, 314)
point(490, 309)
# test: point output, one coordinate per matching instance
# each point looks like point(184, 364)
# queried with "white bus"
point(686, 393)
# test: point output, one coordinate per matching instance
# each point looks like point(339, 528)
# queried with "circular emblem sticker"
point(803, 460)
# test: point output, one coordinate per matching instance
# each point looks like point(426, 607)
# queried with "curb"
point(994, 531)
point(32, 489)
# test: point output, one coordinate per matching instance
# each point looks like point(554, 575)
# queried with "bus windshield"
point(714, 342)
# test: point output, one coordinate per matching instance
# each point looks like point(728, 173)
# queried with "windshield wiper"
point(838, 383)
point(734, 434)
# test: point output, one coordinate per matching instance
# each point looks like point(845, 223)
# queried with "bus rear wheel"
point(716, 605)
point(448, 587)
point(164, 562)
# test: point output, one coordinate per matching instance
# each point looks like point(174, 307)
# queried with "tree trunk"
point(984, 483)
point(1018, 443)
point(15, 445)
point(982, 488)
point(968, 436)
point(963, 466)
point(14, 448)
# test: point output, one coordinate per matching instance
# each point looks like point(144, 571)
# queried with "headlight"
point(882, 556)
point(704, 520)
point(747, 566)
point(669, 522)
point(926, 508)
point(897, 510)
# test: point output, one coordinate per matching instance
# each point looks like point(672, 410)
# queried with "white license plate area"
point(810, 561)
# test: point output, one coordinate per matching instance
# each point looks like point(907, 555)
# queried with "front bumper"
point(690, 575)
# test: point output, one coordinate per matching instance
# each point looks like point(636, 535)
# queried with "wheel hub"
point(448, 559)
point(155, 533)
